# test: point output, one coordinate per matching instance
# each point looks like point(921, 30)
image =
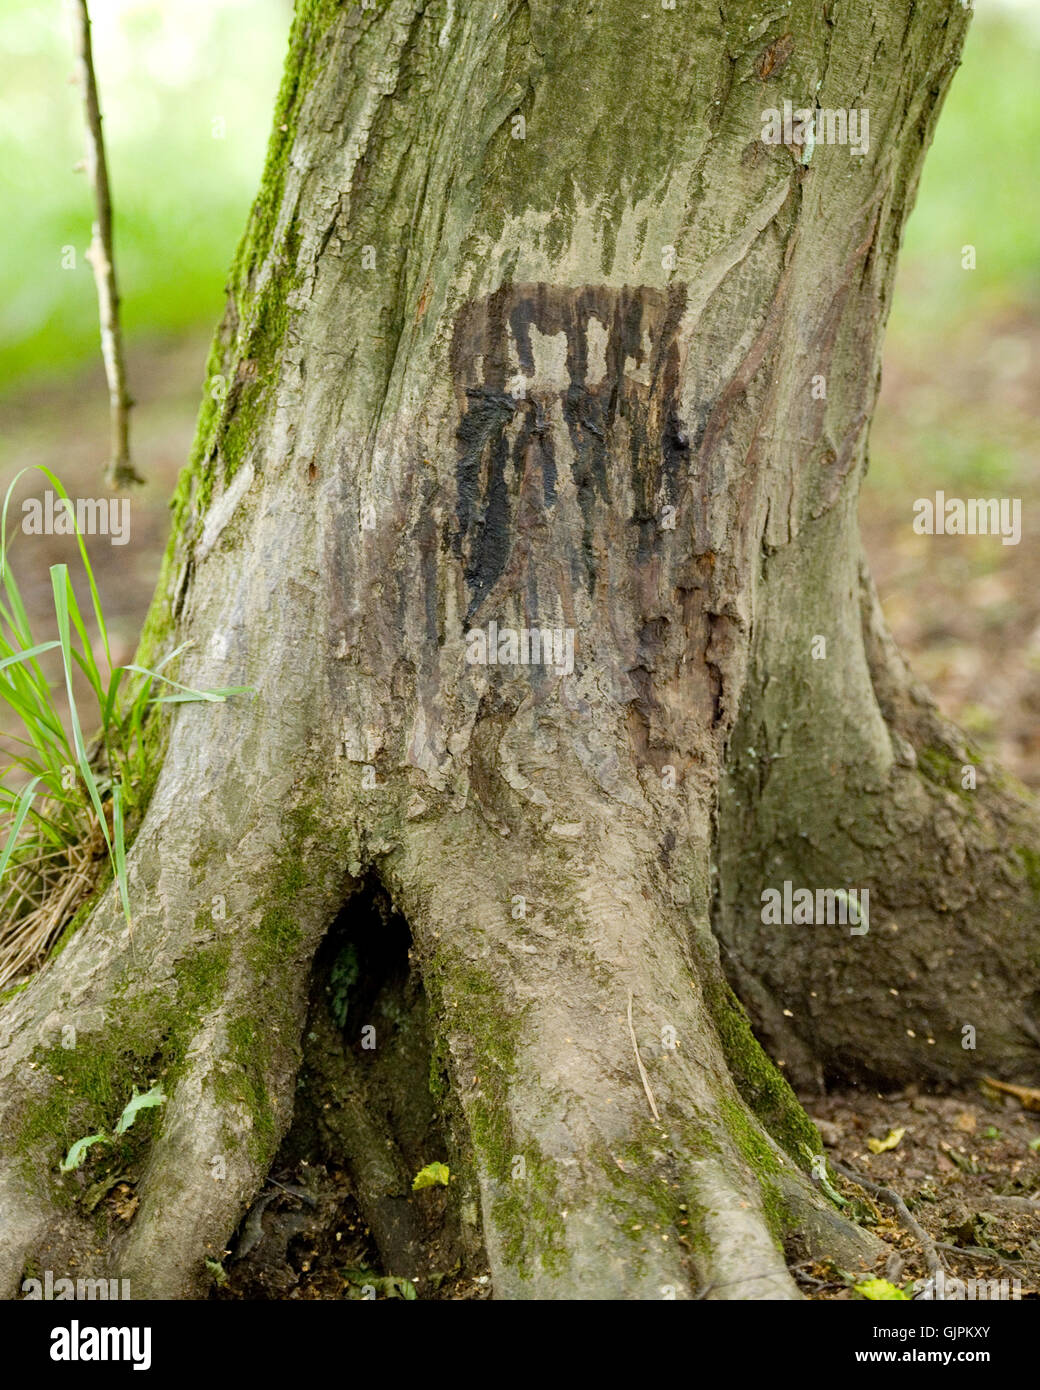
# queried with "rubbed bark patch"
point(602, 362)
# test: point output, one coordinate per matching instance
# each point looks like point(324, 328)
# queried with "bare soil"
point(958, 1155)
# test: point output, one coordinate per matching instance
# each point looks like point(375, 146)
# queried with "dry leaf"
point(1027, 1096)
point(880, 1146)
point(127, 1202)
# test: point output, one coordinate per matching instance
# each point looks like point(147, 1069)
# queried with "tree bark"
point(552, 372)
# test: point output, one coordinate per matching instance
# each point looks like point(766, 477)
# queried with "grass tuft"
point(65, 799)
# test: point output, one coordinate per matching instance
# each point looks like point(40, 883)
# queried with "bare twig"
point(802, 1276)
point(892, 1199)
point(639, 1063)
point(299, 1192)
point(976, 1252)
point(101, 257)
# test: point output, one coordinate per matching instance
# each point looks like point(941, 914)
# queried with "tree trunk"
point(527, 330)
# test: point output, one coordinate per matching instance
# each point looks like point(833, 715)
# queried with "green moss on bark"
point(250, 1049)
point(85, 1086)
point(940, 767)
point(1030, 858)
point(242, 366)
point(525, 1210)
point(651, 1194)
point(760, 1084)
point(278, 933)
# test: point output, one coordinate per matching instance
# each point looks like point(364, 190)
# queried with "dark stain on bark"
point(618, 397)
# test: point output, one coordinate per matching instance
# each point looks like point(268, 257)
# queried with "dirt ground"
point(956, 1160)
point(965, 610)
point(957, 1157)
point(967, 617)
point(306, 1240)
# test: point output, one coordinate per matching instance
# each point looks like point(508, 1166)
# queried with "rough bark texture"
point(472, 378)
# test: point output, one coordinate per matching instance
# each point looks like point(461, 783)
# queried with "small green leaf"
point(433, 1175)
point(389, 1285)
point(880, 1290)
point(77, 1153)
point(1034, 1144)
point(139, 1101)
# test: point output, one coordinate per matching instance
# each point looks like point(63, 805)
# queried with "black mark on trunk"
point(606, 363)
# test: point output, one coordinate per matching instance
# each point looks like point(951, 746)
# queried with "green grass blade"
point(24, 802)
point(58, 487)
point(119, 847)
point(85, 658)
point(60, 584)
point(16, 617)
point(28, 655)
point(216, 696)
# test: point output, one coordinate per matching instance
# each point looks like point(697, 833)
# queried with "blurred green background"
point(187, 93)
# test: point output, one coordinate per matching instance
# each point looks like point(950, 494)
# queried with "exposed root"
point(907, 1220)
point(377, 1050)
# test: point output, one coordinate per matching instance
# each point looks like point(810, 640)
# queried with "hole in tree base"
point(338, 1217)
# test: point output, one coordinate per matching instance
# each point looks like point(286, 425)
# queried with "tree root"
point(501, 1048)
point(906, 1218)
